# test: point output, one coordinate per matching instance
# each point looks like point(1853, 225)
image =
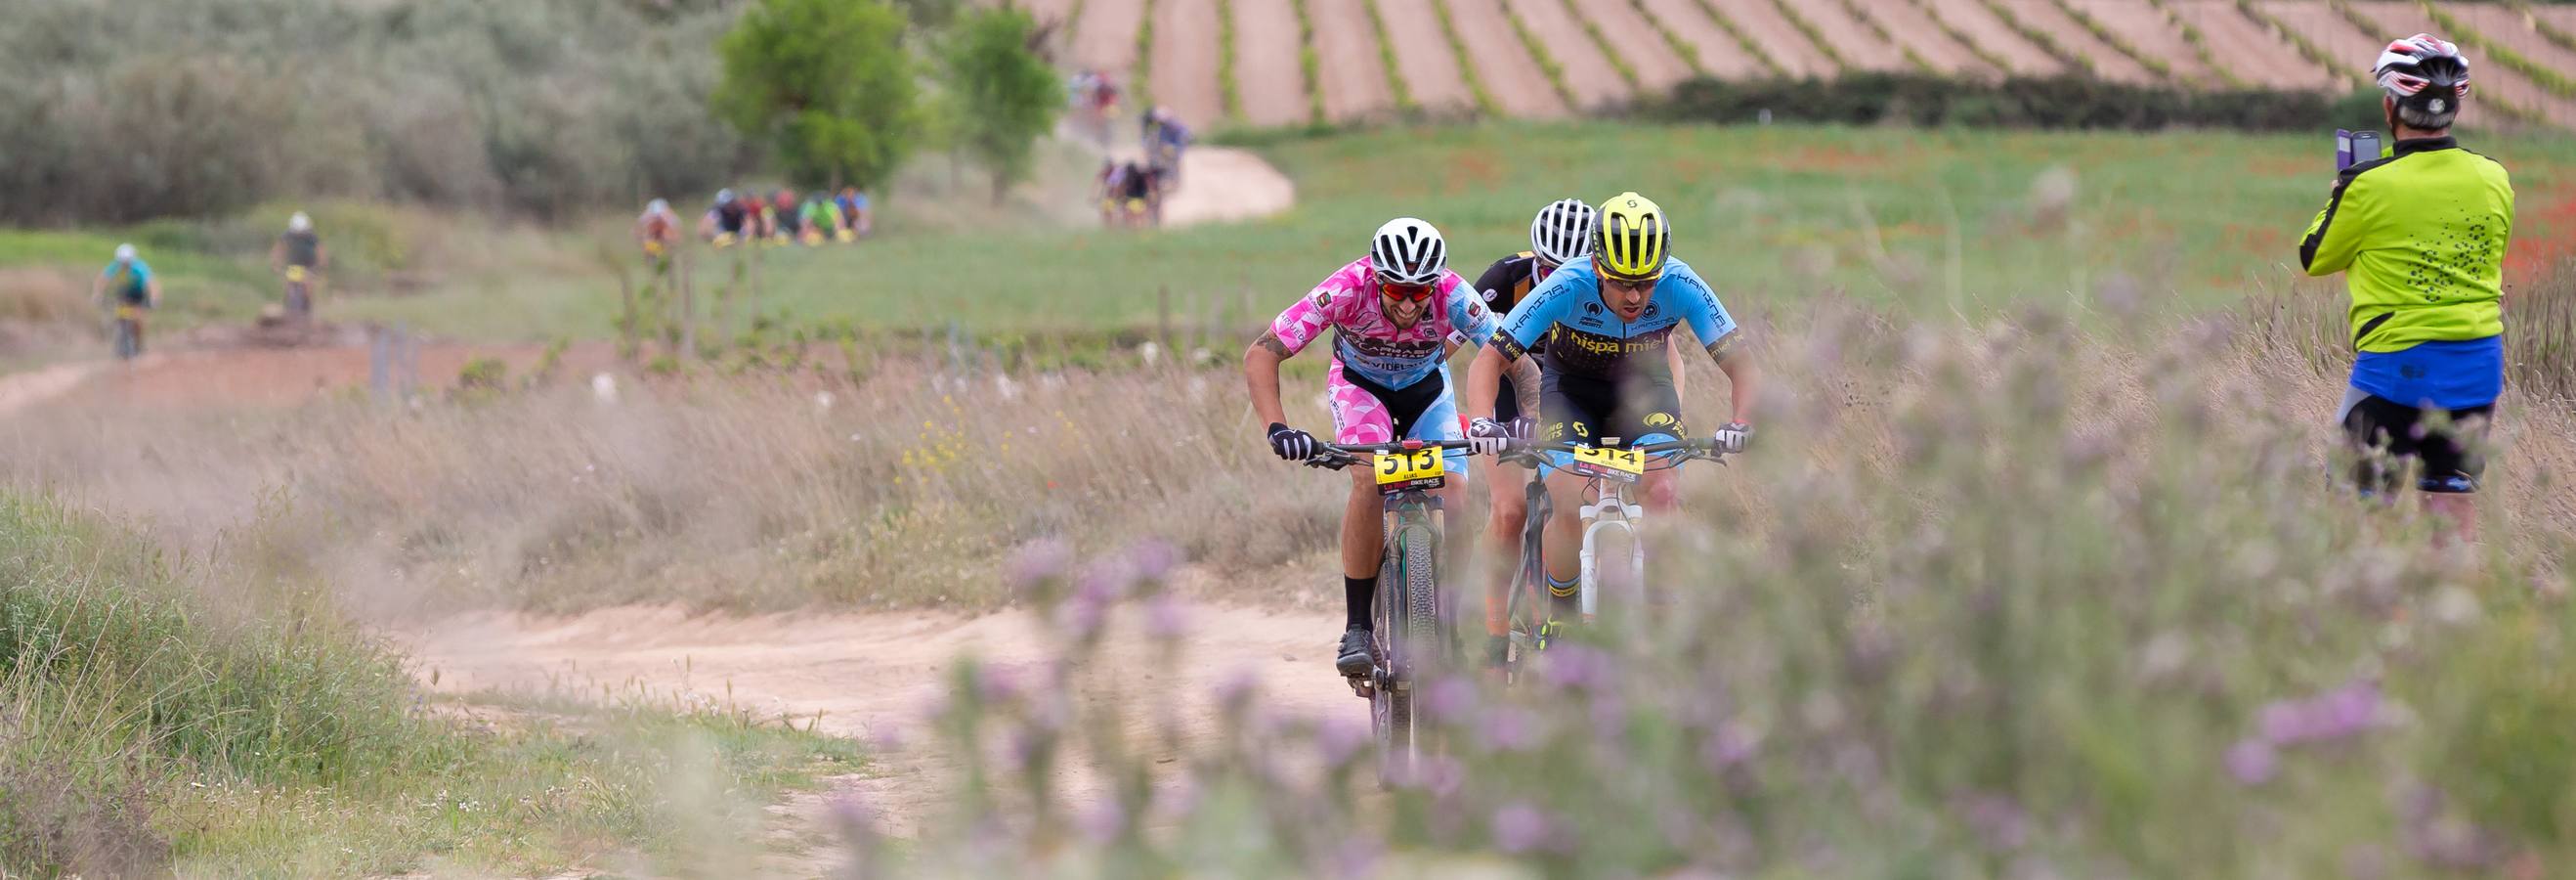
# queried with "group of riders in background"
point(1131, 189)
point(127, 288)
point(780, 218)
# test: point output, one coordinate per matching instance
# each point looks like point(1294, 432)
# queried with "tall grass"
point(2014, 599)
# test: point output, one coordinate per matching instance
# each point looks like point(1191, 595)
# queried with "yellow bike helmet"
point(1630, 239)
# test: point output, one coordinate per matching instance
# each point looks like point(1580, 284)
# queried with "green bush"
point(2019, 102)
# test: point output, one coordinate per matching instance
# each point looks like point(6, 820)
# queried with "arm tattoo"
point(1270, 340)
point(1724, 347)
point(1525, 380)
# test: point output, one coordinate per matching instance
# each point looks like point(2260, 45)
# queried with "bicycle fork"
point(1611, 512)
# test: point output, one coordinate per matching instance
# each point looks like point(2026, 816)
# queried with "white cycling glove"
point(1731, 438)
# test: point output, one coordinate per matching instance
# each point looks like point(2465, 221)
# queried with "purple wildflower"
point(996, 684)
point(2343, 712)
point(1449, 699)
point(1152, 559)
point(1510, 729)
point(1038, 562)
point(1339, 737)
point(1732, 745)
point(1575, 666)
point(1356, 857)
point(1167, 617)
point(1235, 690)
point(854, 817)
point(1520, 828)
point(1997, 820)
point(1104, 822)
point(2252, 761)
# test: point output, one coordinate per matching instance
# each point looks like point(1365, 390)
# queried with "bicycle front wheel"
point(1408, 632)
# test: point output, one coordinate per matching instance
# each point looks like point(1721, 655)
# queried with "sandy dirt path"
point(875, 676)
point(19, 391)
point(2397, 18)
point(1105, 38)
point(2108, 63)
point(1423, 57)
point(1225, 185)
point(1185, 61)
point(1588, 73)
point(1265, 63)
point(1354, 74)
point(1789, 47)
point(1718, 51)
point(1979, 23)
point(1658, 68)
point(1860, 47)
point(1914, 29)
point(1502, 63)
point(2263, 57)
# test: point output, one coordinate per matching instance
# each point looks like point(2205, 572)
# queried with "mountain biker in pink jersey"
point(1396, 315)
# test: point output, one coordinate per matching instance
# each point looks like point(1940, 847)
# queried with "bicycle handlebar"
point(1336, 456)
point(1534, 452)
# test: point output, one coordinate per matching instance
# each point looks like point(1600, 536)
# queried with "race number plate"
point(1418, 469)
point(1623, 465)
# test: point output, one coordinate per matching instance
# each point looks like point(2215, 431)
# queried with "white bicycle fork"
point(1611, 512)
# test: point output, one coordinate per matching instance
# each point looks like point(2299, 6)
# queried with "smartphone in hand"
point(2355, 147)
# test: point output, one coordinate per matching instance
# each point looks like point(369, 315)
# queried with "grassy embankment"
point(213, 715)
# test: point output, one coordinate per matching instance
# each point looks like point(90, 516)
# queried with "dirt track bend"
point(873, 676)
point(1354, 74)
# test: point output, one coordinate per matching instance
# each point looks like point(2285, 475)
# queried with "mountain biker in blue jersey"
point(1606, 323)
point(127, 284)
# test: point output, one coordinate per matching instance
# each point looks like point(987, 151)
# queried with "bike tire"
point(1391, 710)
point(1409, 624)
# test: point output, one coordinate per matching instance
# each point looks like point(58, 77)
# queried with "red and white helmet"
point(2427, 78)
point(1408, 251)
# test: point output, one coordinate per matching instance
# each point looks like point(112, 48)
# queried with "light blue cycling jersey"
point(1586, 338)
point(136, 286)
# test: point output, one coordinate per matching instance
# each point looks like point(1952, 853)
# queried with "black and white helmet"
point(1562, 231)
point(1408, 251)
point(2426, 77)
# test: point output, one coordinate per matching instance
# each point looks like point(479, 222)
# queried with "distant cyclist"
point(822, 218)
point(128, 289)
point(2420, 237)
point(1394, 314)
point(787, 222)
point(727, 219)
point(298, 255)
point(1606, 323)
point(657, 232)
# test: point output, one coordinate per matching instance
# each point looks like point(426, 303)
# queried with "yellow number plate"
point(128, 312)
point(1421, 468)
point(1618, 464)
point(295, 274)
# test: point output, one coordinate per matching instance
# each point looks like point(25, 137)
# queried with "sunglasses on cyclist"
point(1405, 292)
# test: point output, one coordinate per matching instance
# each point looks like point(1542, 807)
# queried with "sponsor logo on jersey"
point(1592, 308)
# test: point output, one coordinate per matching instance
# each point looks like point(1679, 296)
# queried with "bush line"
point(2307, 48)
point(1626, 71)
point(1992, 58)
point(1386, 58)
point(2103, 32)
point(1814, 37)
point(2546, 30)
point(1229, 88)
point(2040, 38)
point(2551, 81)
point(1743, 40)
point(1679, 46)
point(1538, 53)
point(2055, 102)
point(1145, 59)
point(1485, 104)
point(1875, 26)
point(2199, 44)
point(1312, 62)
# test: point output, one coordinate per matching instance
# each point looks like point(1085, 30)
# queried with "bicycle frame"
point(1610, 509)
point(1410, 615)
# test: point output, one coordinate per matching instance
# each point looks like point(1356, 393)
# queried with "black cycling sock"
point(1565, 599)
point(1356, 594)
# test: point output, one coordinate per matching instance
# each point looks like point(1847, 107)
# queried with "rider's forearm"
point(1261, 378)
point(1744, 383)
point(1525, 379)
point(1673, 362)
point(1484, 380)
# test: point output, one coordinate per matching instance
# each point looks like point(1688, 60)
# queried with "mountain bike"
point(1609, 471)
point(1412, 624)
point(299, 292)
point(127, 331)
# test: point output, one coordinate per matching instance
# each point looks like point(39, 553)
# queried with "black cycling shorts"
point(2379, 424)
point(1586, 409)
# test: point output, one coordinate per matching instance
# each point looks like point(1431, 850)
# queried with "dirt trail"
point(1224, 185)
point(1185, 61)
point(21, 390)
point(1502, 63)
point(1718, 51)
point(1789, 47)
point(1979, 23)
point(1626, 30)
point(2267, 60)
point(1423, 57)
point(1588, 72)
point(1355, 85)
point(872, 676)
point(1266, 66)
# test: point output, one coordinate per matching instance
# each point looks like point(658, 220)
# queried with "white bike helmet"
point(1562, 231)
point(124, 253)
point(2426, 77)
point(299, 223)
point(1408, 251)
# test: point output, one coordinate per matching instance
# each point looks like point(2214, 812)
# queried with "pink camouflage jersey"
point(1367, 343)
